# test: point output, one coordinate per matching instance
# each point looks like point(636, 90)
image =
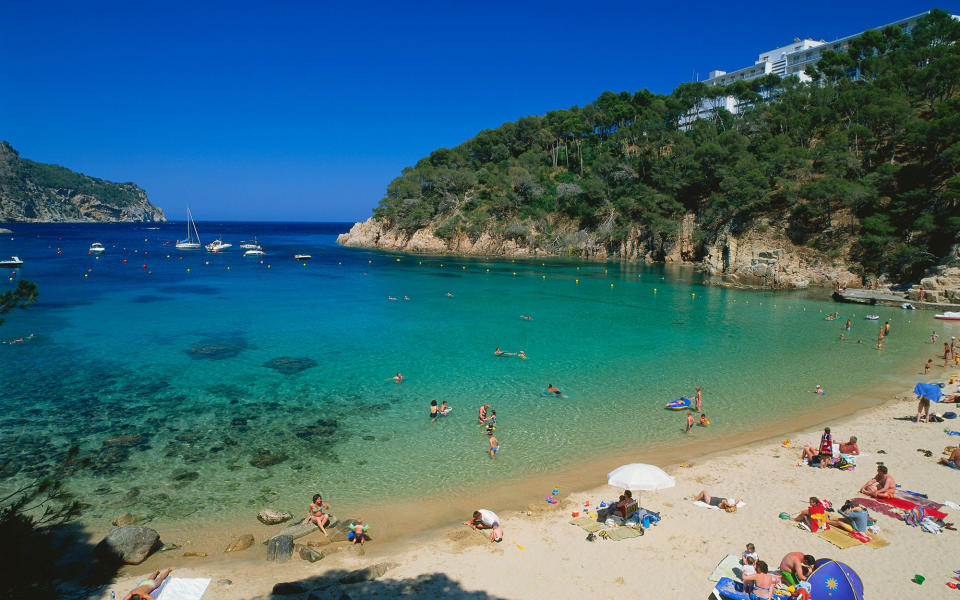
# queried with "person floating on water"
point(832, 317)
point(449, 295)
point(390, 298)
point(555, 391)
point(499, 352)
point(526, 317)
point(521, 355)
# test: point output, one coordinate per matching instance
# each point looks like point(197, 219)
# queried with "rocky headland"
point(32, 192)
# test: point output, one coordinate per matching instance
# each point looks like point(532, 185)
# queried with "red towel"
point(904, 504)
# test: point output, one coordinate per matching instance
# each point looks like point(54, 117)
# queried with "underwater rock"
point(130, 544)
point(269, 516)
point(266, 460)
point(214, 352)
point(126, 519)
point(124, 441)
point(185, 476)
point(289, 365)
point(370, 438)
point(187, 437)
point(241, 543)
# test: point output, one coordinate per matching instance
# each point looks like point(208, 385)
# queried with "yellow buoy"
point(398, 260)
point(543, 277)
point(228, 268)
point(188, 269)
point(268, 266)
point(369, 262)
point(419, 262)
point(654, 290)
point(85, 275)
point(576, 281)
point(578, 268)
point(339, 263)
point(693, 294)
point(488, 270)
point(514, 273)
point(611, 285)
point(463, 267)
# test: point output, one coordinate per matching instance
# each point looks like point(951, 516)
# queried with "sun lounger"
point(729, 567)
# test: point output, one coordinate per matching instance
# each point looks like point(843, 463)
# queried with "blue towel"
point(930, 390)
point(730, 589)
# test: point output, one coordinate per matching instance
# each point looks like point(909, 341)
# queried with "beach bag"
point(950, 415)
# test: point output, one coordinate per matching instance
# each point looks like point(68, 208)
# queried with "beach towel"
point(728, 589)
point(839, 538)
point(621, 533)
point(183, 588)
point(883, 509)
point(930, 390)
point(924, 502)
point(740, 504)
point(729, 567)
point(589, 524)
point(908, 504)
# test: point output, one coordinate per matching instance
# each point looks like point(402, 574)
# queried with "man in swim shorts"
point(689, 422)
point(796, 567)
point(952, 461)
point(881, 486)
point(850, 447)
point(494, 444)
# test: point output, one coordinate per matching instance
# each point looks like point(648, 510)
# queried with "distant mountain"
point(35, 192)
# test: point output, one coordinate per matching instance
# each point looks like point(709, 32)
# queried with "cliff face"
point(761, 257)
point(37, 192)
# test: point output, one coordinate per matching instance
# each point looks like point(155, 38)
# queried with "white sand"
point(674, 558)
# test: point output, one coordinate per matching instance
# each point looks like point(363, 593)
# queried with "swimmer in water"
point(526, 317)
point(818, 391)
point(449, 295)
point(499, 352)
point(390, 298)
point(494, 445)
point(555, 391)
point(704, 421)
point(521, 355)
point(398, 378)
point(406, 297)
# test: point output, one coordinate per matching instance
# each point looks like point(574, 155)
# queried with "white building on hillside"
point(784, 61)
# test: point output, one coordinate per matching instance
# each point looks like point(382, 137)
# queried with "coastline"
point(401, 529)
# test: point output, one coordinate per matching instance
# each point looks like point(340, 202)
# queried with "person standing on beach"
point(926, 367)
point(847, 326)
point(689, 422)
point(697, 398)
point(946, 353)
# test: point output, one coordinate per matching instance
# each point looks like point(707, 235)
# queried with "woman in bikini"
point(316, 513)
point(146, 587)
point(763, 582)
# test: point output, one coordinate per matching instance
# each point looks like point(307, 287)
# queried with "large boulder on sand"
point(280, 548)
point(269, 516)
point(131, 544)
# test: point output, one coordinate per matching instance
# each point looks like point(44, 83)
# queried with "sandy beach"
point(543, 555)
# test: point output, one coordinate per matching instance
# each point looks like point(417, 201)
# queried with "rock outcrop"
point(270, 516)
point(34, 192)
point(942, 283)
point(761, 257)
point(130, 544)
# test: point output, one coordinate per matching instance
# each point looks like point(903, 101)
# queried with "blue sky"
point(305, 111)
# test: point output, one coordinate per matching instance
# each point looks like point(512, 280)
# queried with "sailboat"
point(248, 245)
point(193, 241)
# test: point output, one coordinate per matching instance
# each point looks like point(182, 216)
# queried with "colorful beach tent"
point(834, 580)
point(930, 390)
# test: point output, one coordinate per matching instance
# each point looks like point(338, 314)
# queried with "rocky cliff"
point(37, 192)
point(762, 257)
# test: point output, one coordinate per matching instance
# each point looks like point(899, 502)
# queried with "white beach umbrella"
point(640, 476)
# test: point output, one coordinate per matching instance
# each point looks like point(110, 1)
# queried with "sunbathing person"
point(881, 486)
point(796, 567)
point(147, 586)
point(762, 581)
point(953, 460)
point(723, 503)
point(850, 447)
point(854, 515)
point(814, 511)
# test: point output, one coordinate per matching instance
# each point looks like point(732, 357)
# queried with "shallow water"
point(239, 383)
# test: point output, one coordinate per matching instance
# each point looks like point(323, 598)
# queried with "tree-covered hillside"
point(863, 161)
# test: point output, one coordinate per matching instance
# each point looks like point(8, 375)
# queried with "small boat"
point(872, 317)
point(218, 245)
point(302, 256)
point(97, 248)
point(679, 404)
point(193, 238)
point(248, 245)
point(908, 306)
point(14, 261)
point(257, 251)
point(948, 316)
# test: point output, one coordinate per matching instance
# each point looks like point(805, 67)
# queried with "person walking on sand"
point(689, 422)
point(698, 398)
point(494, 445)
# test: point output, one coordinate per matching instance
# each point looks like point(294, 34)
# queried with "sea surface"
point(182, 383)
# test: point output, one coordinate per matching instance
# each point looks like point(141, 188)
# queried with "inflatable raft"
point(679, 404)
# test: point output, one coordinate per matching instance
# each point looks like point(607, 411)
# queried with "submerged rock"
point(124, 441)
point(130, 544)
point(269, 516)
point(290, 365)
point(241, 543)
point(126, 519)
point(266, 460)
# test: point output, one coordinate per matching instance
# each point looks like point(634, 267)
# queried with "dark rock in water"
point(213, 352)
point(187, 437)
point(185, 476)
point(269, 516)
point(290, 365)
point(126, 519)
point(370, 438)
point(102, 490)
point(266, 460)
point(9, 468)
point(124, 441)
point(280, 548)
point(130, 544)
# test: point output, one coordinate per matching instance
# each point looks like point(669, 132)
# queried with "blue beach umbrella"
point(833, 580)
point(930, 390)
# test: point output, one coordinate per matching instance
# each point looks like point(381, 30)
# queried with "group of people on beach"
point(759, 582)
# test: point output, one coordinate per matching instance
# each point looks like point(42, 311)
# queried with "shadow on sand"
point(335, 585)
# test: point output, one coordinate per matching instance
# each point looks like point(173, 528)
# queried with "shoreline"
point(391, 525)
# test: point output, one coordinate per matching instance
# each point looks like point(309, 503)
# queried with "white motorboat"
point(97, 248)
point(193, 238)
point(948, 316)
point(247, 245)
point(257, 251)
point(302, 256)
point(218, 245)
point(872, 317)
point(14, 261)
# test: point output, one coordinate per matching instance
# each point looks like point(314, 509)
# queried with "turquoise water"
point(176, 355)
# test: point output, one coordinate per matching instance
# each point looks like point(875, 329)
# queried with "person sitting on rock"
point(316, 513)
point(146, 587)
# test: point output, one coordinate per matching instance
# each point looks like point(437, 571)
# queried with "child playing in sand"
point(750, 552)
point(316, 513)
point(497, 534)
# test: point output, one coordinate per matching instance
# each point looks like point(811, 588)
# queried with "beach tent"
point(834, 580)
point(640, 477)
point(930, 390)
